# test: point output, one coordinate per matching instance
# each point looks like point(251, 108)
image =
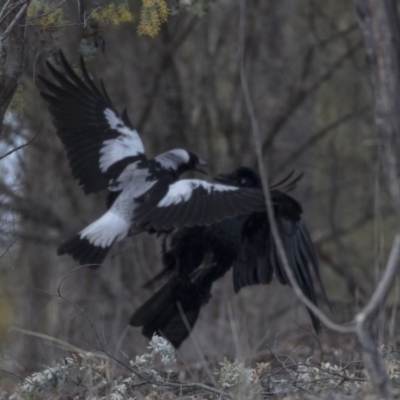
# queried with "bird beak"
point(223, 178)
point(200, 164)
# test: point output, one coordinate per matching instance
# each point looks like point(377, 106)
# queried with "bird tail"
point(163, 273)
point(91, 245)
point(172, 311)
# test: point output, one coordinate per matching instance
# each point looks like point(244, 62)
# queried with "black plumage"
point(199, 256)
point(105, 152)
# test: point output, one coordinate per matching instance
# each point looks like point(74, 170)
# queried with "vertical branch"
point(362, 324)
point(12, 51)
point(371, 356)
point(264, 179)
point(380, 25)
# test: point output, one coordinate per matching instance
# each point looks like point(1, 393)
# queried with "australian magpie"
point(199, 256)
point(105, 152)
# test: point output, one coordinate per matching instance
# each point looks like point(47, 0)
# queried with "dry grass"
point(158, 374)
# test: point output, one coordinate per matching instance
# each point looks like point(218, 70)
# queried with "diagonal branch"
point(387, 11)
point(315, 138)
point(8, 153)
point(14, 21)
point(385, 284)
point(303, 94)
point(264, 178)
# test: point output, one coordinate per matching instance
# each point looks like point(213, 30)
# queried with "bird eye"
point(243, 182)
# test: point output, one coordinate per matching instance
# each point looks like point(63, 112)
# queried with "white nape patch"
point(182, 190)
point(173, 159)
point(107, 229)
point(127, 144)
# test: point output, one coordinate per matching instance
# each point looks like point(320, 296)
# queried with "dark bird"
point(198, 256)
point(105, 152)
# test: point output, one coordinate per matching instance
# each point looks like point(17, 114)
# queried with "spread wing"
point(258, 256)
point(99, 142)
point(193, 202)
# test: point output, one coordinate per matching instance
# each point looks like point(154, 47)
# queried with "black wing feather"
point(78, 109)
point(198, 209)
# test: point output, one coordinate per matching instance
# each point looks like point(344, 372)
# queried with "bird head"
point(180, 161)
point(196, 164)
point(242, 177)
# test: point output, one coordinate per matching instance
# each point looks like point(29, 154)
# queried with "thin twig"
point(12, 374)
point(315, 138)
point(64, 344)
point(195, 342)
point(9, 9)
point(20, 147)
point(302, 94)
point(76, 305)
point(381, 292)
point(264, 178)
point(168, 382)
point(4, 8)
point(14, 21)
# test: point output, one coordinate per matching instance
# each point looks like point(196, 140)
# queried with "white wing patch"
point(182, 190)
point(127, 144)
point(173, 158)
point(107, 229)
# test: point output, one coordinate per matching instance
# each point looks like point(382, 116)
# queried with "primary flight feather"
point(105, 152)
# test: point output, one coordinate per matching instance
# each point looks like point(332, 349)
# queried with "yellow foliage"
point(45, 14)
point(152, 15)
point(113, 14)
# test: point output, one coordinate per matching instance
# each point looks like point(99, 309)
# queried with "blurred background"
point(180, 82)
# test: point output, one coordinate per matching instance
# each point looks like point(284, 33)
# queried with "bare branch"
point(65, 345)
point(302, 95)
point(8, 9)
point(165, 63)
point(379, 22)
point(338, 35)
point(385, 284)
point(2, 11)
point(264, 178)
point(316, 137)
point(19, 147)
point(16, 19)
point(372, 358)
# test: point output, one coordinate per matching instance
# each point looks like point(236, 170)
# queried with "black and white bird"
point(198, 256)
point(105, 152)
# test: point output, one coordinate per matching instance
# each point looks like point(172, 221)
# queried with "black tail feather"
point(163, 273)
point(173, 310)
point(154, 306)
point(84, 252)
